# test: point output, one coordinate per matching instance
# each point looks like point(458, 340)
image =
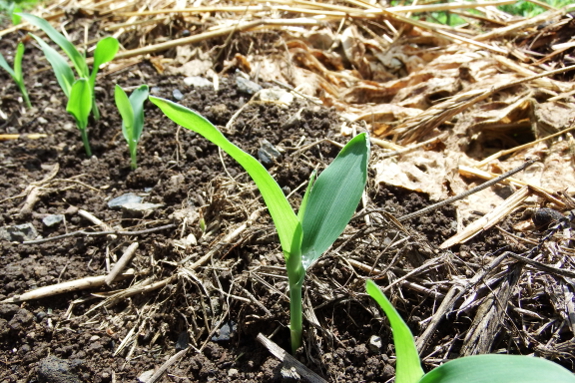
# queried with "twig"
point(64, 287)
point(100, 233)
point(121, 264)
point(158, 374)
point(289, 360)
point(465, 194)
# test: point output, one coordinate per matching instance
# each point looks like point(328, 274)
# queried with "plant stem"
point(95, 110)
point(133, 157)
point(84, 134)
point(25, 96)
point(296, 275)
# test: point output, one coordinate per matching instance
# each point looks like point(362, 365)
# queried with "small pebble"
point(198, 82)
point(543, 218)
point(55, 370)
point(247, 86)
point(177, 95)
point(18, 233)
point(52, 220)
point(267, 153)
point(124, 199)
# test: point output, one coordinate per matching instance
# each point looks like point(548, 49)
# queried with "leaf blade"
point(499, 369)
point(333, 199)
point(62, 70)
point(408, 366)
point(283, 216)
point(77, 59)
point(126, 111)
point(137, 100)
point(80, 102)
point(106, 50)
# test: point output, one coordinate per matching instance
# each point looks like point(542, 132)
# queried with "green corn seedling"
point(16, 73)
point(106, 50)
point(79, 106)
point(327, 206)
point(470, 369)
point(132, 112)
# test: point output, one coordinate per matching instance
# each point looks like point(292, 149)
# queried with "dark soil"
point(242, 289)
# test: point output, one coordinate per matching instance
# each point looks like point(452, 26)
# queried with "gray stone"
point(177, 95)
point(139, 209)
point(375, 344)
point(18, 233)
point(247, 86)
point(52, 220)
point(198, 82)
point(55, 370)
point(267, 153)
point(124, 199)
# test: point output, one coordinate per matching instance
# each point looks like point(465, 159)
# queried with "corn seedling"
point(79, 106)
point(105, 51)
point(470, 369)
point(16, 73)
point(327, 206)
point(132, 112)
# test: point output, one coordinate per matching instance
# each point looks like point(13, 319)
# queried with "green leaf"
point(333, 199)
point(64, 74)
point(499, 369)
point(4, 64)
point(305, 198)
point(407, 366)
point(137, 100)
point(80, 102)
point(106, 50)
point(126, 111)
point(77, 59)
point(284, 218)
point(18, 63)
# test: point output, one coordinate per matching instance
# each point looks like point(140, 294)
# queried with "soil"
point(216, 309)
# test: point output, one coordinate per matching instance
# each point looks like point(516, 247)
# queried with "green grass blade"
point(333, 199)
point(137, 100)
point(106, 50)
point(499, 369)
point(407, 366)
point(77, 59)
point(283, 216)
point(18, 63)
point(62, 70)
point(80, 102)
point(126, 111)
point(4, 64)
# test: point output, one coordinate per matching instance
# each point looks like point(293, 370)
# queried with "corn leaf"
point(80, 102)
point(285, 220)
point(77, 59)
point(106, 50)
point(64, 74)
point(333, 198)
point(4, 64)
point(305, 198)
point(407, 366)
point(137, 100)
point(499, 369)
point(18, 63)
point(126, 111)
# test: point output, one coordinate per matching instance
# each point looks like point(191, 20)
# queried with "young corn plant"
point(132, 112)
point(106, 50)
point(79, 106)
point(16, 73)
point(327, 206)
point(489, 368)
